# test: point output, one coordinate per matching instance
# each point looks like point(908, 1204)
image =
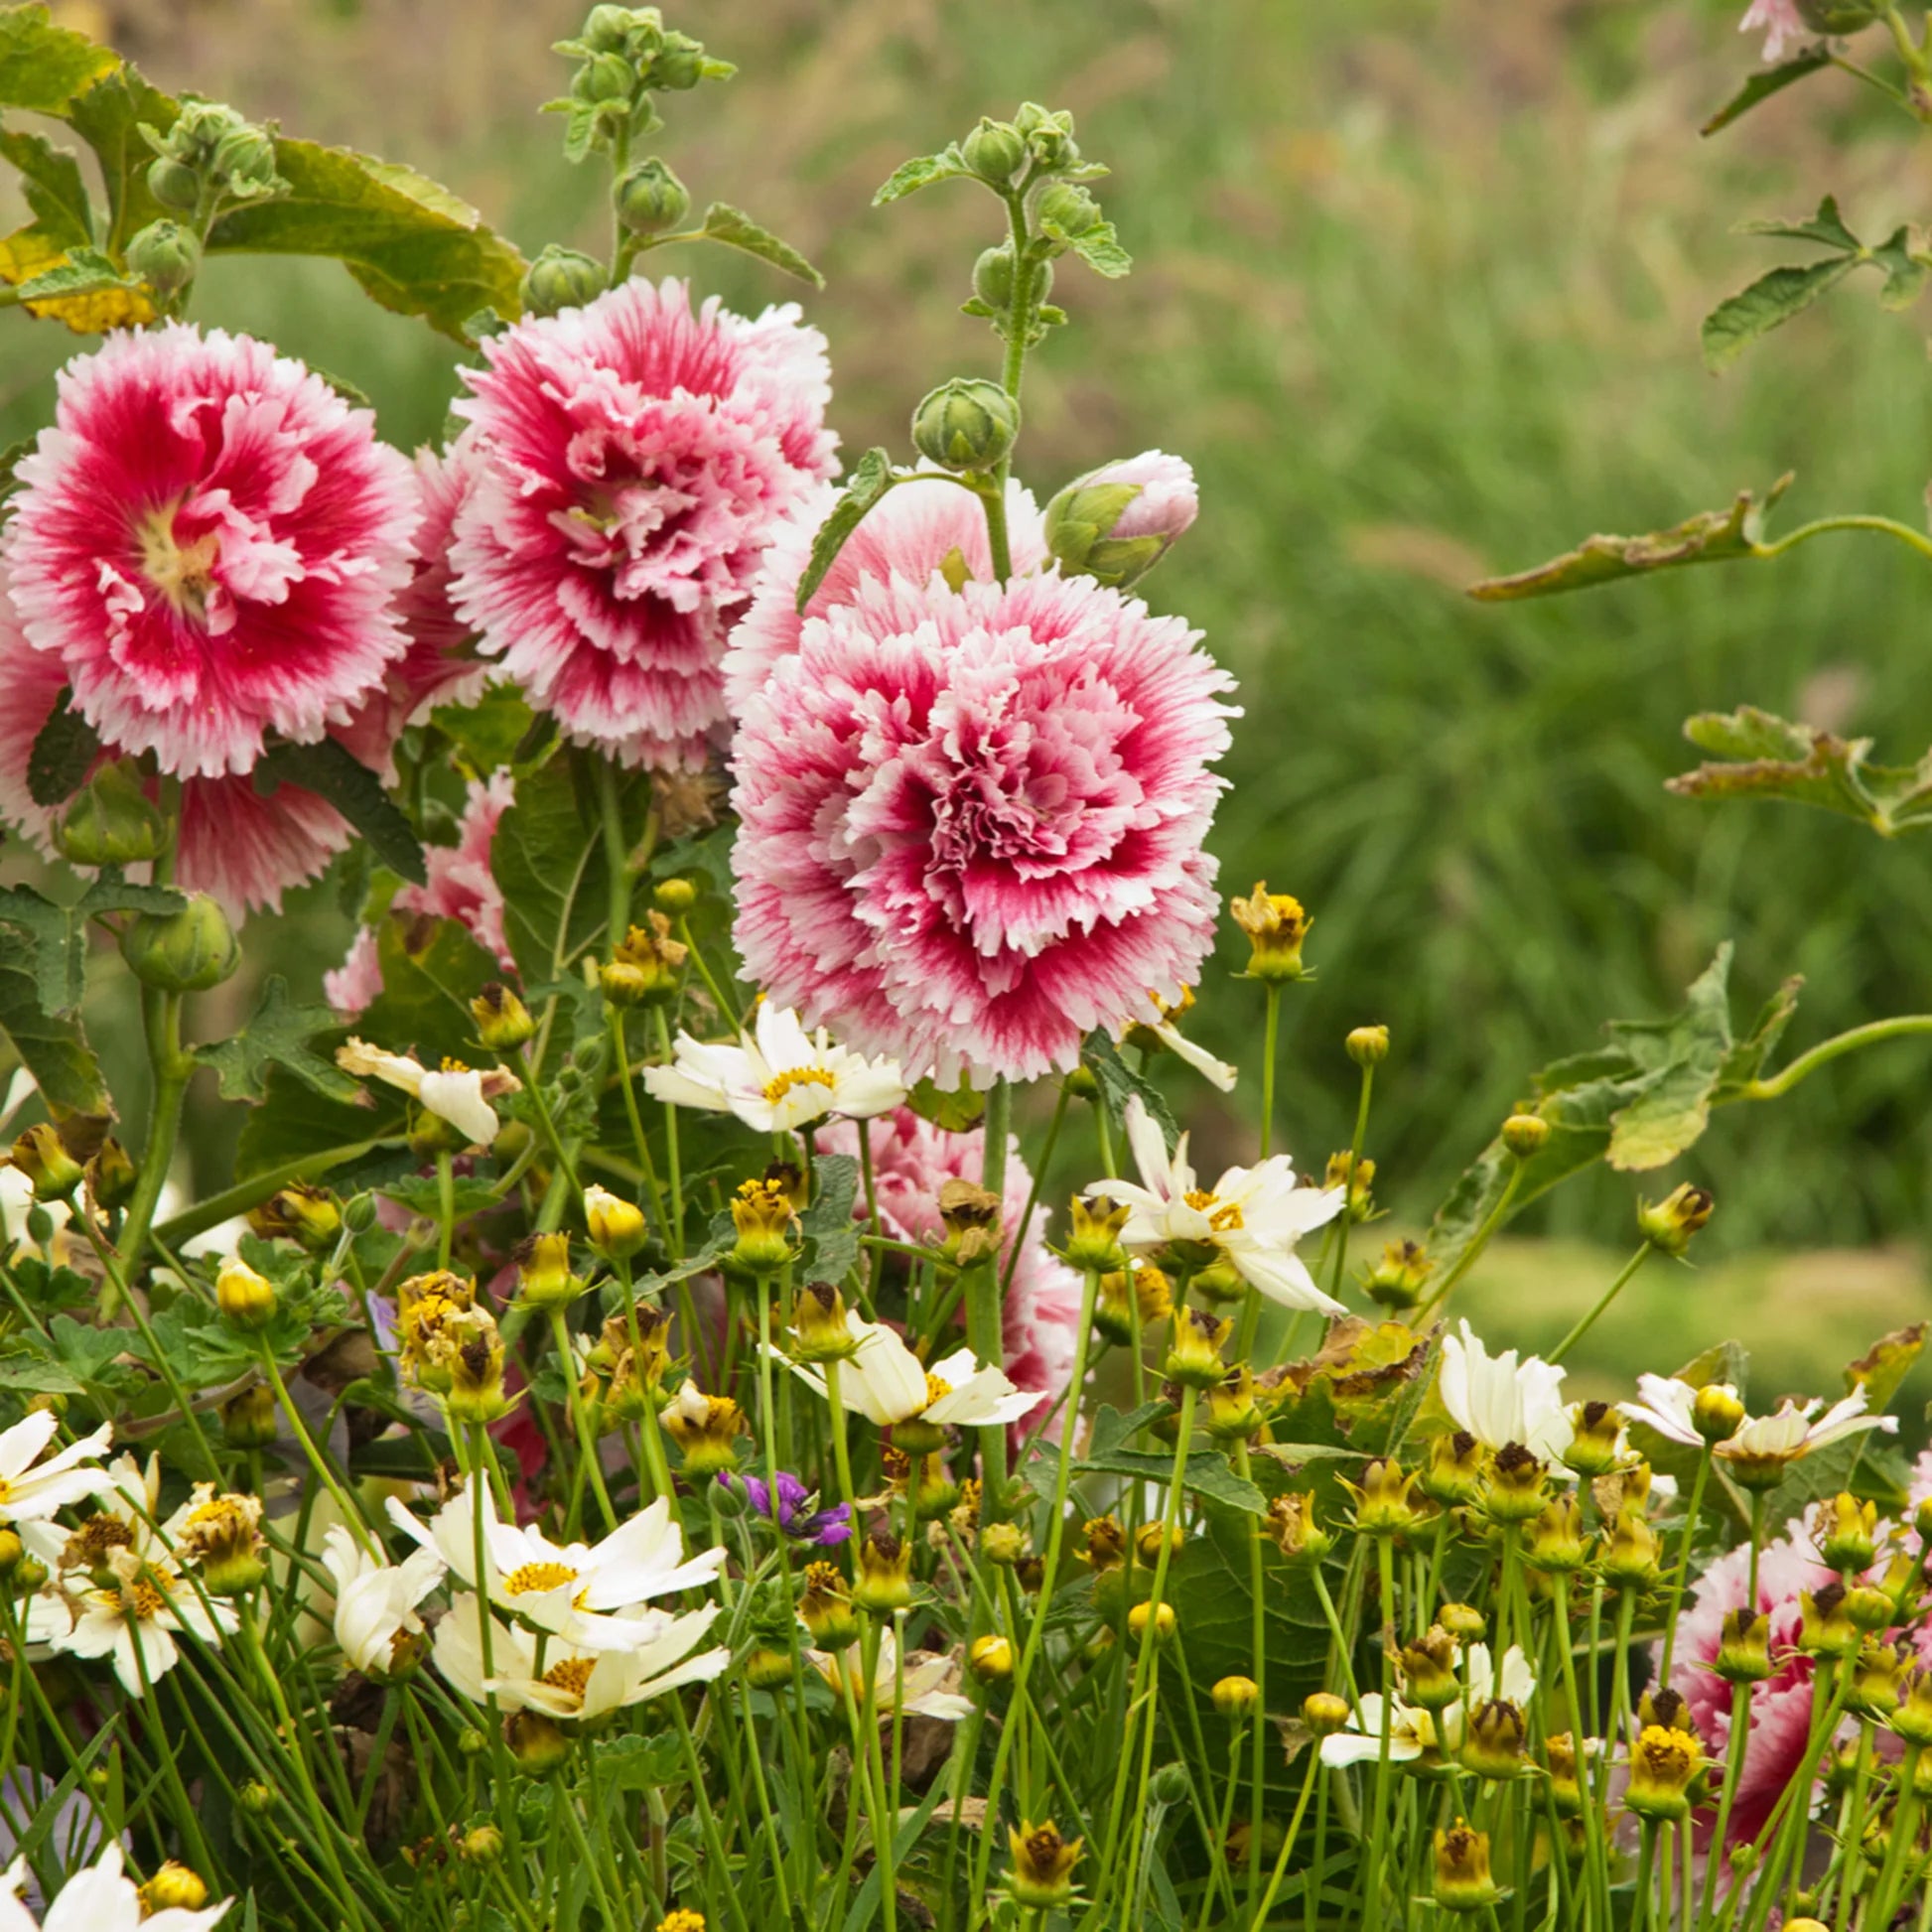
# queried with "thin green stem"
point(1900, 1026)
point(1609, 1294)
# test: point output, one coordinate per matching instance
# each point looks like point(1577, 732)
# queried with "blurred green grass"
point(1417, 291)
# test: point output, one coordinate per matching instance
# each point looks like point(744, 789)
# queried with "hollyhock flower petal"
point(972, 822)
point(1169, 498)
point(914, 529)
point(208, 542)
point(633, 458)
point(358, 982)
point(1782, 25)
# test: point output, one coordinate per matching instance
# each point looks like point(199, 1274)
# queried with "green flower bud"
point(1838, 16)
point(650, 199)
point(562, 278)
point(245, 162)
point(504, 1021)
point(1048, 135)
point(1066, 209)
point(966, 424)
point(674, 895)
point(539, 1744)
point(607, 29)
point(605, 77)
point(110, 1176)
point(174, 184)
point(112, 822)
point(993, 150)
point(680, 67)
point(42, 1156)
point(1170, 1784)
point(182, 952)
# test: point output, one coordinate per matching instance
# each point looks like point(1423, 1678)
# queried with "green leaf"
point(870, 480)
point(335, 775)
point(109, 117)
point(1762, 756)
point(1770, 301)
point(488, 731)
point(65, 750)
point(548, 856)
point(1208, 1474)
point(58, 934)
point(44, 66)
point(1119, 1083)
point(50, 180)
point(1746, 1061)
point(1763, 84)
point(278, 1035)
point(1709, 537)
point(54, 1051)
point(86, 271)
point(736, 230)
point(1826, 227)
point(955, 1109)
point(411, 244)
point(1674, 1108)
point(827, 1223)
point(1882, 1371)
point(1099, 247)
point(921, 172)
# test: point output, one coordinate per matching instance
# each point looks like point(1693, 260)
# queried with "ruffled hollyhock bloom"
point(972, 822)
point(1781, 1723)
point(635, 458)
point(206, 542)
point(461, 887)
point(914, 529)
point(1782, 25)
point(243, 849)
point(912, 1161)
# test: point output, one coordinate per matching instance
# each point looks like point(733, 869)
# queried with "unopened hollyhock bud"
point(966, 424)
point(1597, 1439)
point(993, 150)
point(1556, 1539)
point(763, 1215)
point(1235, 1696)
point(164, 255)
point(1383, 1503)
point(1429, 1670)
point(1290, 1526)
point(994, 275)
point(990, 1659)
point(1115, 523)
point(706, 1428)
point(1630, 1558)
point(826, 1608)
point(647, 966)
point(651, 199)
point(1669, 1225)
point(617, 1227)
point(111, 1178)
point(562, 278)
point(110, 822)
point(543, 1277)
point(182, 952)
point(1525, 1135)
point(1067, 210)
point(1463, 1881)
point(1453, 1475)
point(1396, 1281)
point(249, 1420)
point(1048, 135)
point(174, 184)
point(1847, 1539)
point(884, 1583)
point(1094, 1241)
point(172, 1889)
point(1041, 1874)
point(1825, 1631)
point(41, 1156)
point(1194, 1349)
point(1276, 926)
point(1105, 1543)
point(1877, 1687)
point(1663, 1763)
point(1517, 1485)
point(504, 1021)
point(1159, 1617)
point(247, 1299)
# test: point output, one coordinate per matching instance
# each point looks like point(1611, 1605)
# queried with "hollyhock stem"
point(172, 1069)
point(1741, 1728)
point(617, 851)
point(676, 1228)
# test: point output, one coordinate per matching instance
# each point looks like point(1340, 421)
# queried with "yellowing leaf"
point(28, 254)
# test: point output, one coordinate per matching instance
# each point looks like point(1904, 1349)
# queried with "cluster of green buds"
point(209, 159)
point(624, 56)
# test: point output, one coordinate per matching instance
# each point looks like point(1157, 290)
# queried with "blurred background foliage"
point(1416, 292)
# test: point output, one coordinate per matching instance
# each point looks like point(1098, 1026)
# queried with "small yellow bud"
point(1463, 1620)
point(885, 1580)
point(1158, 1615)
point(539, 1744)
point(174, 1888)
point(111, 1178)
point(504, 1021)
point(706, 1428)
point(1194, 1348)
point(1662, 1764)
point(617, 1227)
point(1497, 1737)
point(1716, 1413)
point(763, 1215)
point(39, 1155)
point(1429, 1670)
point(1398, 1279)
point(1276, 926)
point(1095, 1238)
point(647, 967)
point(1463, 1881)
point(301, 1214)
point(249, 1420)
point(1745, 1648)
point(1668, 1224)
point(1848, 1541)
point(482, 1845)
point(1324, 1713)
point(247, 1300)
point(674, 895)
point(819, 1328)
point(1291, 1528)
point(543, 1277)
point(1041, 1874)
point(1517, 1485)
point(990, 1659)
point(1368, 1045)
point(1235, 1696)
point(1597, 1439)
point(1383, 1503)
point(1525, 1135)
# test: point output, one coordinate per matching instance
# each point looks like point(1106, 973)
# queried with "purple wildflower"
point(822, 1527)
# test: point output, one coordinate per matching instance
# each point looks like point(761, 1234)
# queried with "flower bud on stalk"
point(1094, 1241)
point(1194, 1348)
point(1663, 1764)
point(562, 278)
point(543, 1277)
point(298, 1212)
point(1041, 1873)
point(166, 256)
point(1235, 1696)
point(1463, 1881)
point(1869, 1608)
point(1114, 1314)
point(1630, 1560)
point(1556, 1542)
point(1849, 1541)
point(763, 1215)
point(249, 1420)
point(1105, 1543)
point(42, 1156)
point(994, 273)
point(1453, 1475)
point(1498, 1735)
point(1290, 1526)
point(1396, 1281)
point(994, 151)
point(1157, 1616)
point(182, 952)
point(1825, 1631)
point(539, 1745)
point(1233, 1411)
point(826, 1608)
point(1912, 1717)
point(1463, 1620)
point(1560, 1760)
point(1382, 1501)
point(110, 822)
point(706, 1428)
point(1429, 1670)
point(504, 1021)
point(1276, 926)
point(1355, 1174)
point(967, 424)
point(245, 1299)
point(1744, 1648)
point(617, 1227)
point(1877, 1679)
point(1525, 1135)
point(1117, 522)
point(651, 199)
point(172, 1889)
point(1596, 1440)
point(647, 966)
point(884, 1583)
point(990, 1659)
point(1516, 1488)
point(470, 1353)
point(1669, 1225)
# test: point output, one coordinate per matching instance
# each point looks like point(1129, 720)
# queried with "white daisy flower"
point(134, 1622)
point(31, 1490)
point(888, 1385)
point(459, 1094)
point(375, 1600)
point(923, 1690)
point(777, 1077)
point(1500, 1400)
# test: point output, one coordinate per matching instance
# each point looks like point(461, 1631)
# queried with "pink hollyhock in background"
point(241, 848)
point(971, 822)
point(461, 887)
point(912, 1161)
point(206, 544)
point(913, 531)
point(634, 459)
point(1783, 26)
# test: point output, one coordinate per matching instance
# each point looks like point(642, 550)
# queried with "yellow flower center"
point(538, 1576)
point(1224, 1217)
point(935, 1387)
point(182, 572)
point(571, 1676)
point(781, 1084)
point(141, 1601)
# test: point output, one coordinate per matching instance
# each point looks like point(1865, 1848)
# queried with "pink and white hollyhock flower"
point(207, 543)
point(240, 847)
point(635, 457)
point(461, 887)
point(972, 822)
point(914, 529)
point(912, 1161)
point(1168, 498)
point(1252, 1216)
point(1782, 25)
